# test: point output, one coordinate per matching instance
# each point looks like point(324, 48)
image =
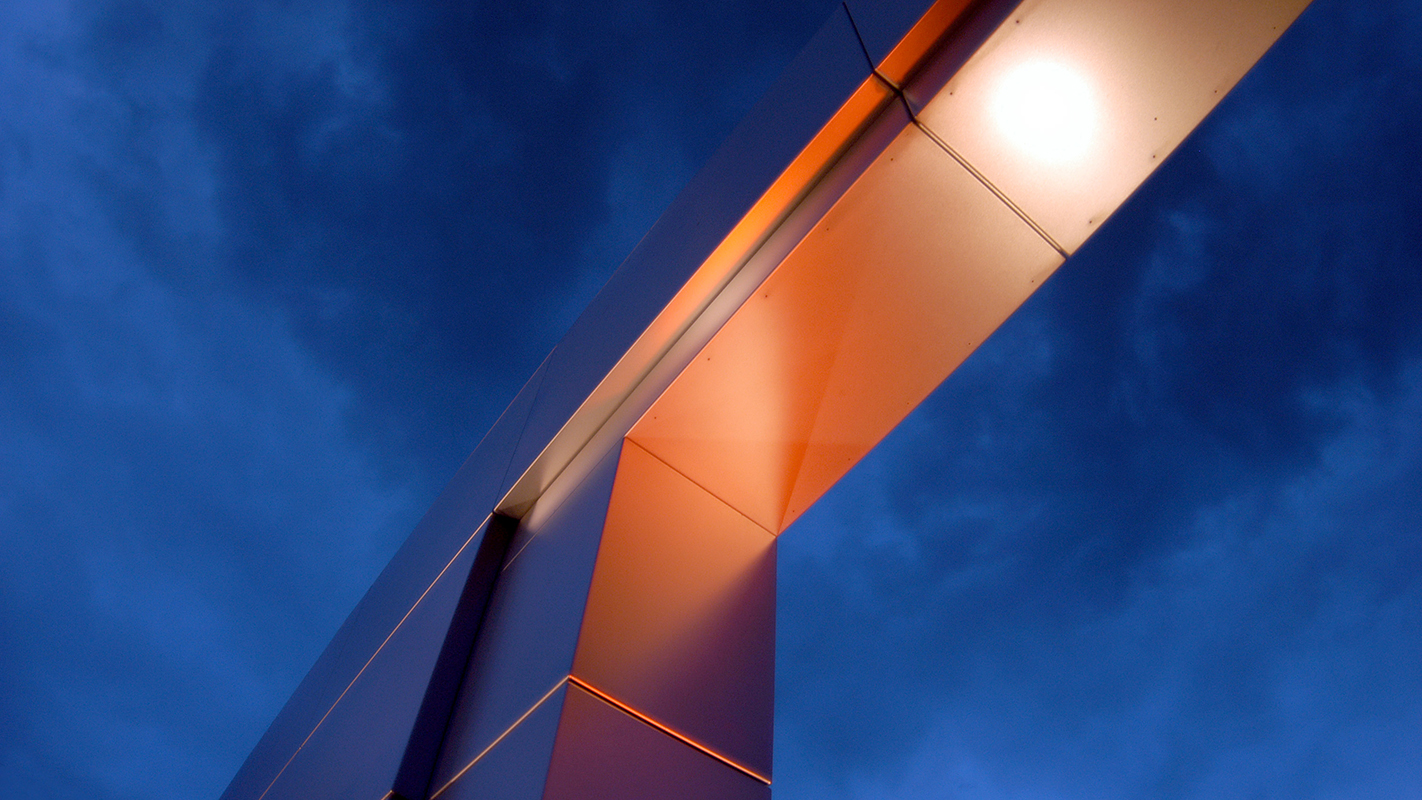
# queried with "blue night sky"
point(269, 271)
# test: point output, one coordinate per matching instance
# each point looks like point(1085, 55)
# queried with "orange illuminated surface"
point(900, 281)
point(1044, 131)
point(903, 236)
point(680, 620)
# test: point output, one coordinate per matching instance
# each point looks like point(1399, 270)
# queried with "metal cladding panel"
point(517, 767)
point(1072, 103)
point(427, 735)
point(356, 749)
point(680, 621)
point(455, 515)
point(915, 265)
point(815, 85)
point(530, 632)
point(602, 752)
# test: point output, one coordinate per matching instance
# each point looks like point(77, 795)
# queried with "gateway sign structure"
point(588, 610)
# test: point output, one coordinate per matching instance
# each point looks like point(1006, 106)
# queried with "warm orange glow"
point(680, 618)
point(899, 282)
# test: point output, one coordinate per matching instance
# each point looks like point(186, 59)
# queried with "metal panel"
point(356, 749)
point(904, 277)
point(427, 735)
point(602, 752)
point(530, 632)
point(517, 767)
point(1072, 104)
point(680, 621)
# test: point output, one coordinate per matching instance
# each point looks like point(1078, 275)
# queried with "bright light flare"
point(1046, 110)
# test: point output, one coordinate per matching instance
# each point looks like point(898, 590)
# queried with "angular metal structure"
point(588, 610)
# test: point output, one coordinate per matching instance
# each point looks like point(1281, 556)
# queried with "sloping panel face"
point(901, 280)
point(515, 768)
point(680, 621)
point(1072, 103)
point(602, 752)
point(526, 644)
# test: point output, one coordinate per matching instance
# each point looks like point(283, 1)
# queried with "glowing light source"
point(1047, 110)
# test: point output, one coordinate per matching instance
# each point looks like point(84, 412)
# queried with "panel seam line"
point(500, 738)
point(628, 439)
point(943, 145)
point(998, 193)
point(686, 740)
point(370, 660)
